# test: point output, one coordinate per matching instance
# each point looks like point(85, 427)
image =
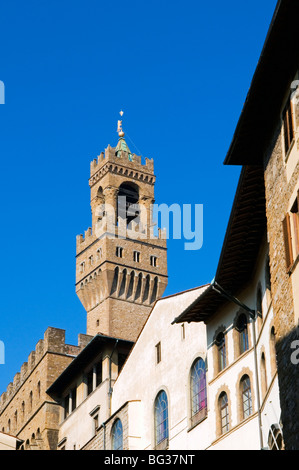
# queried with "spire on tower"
point(122, 144)
point(119, 126)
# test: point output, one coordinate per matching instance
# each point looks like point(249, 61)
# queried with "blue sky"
point(179, 70)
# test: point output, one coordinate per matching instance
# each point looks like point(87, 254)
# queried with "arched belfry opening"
point(128, 203)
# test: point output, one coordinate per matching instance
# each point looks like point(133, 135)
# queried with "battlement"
point(123, 158)
point(83, 241)
point(53, 342)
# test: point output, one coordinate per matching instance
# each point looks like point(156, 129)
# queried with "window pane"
point(198, 387)
point(246, 397)
point(117, 435)
point(220, 341)
point(224, 416)
point(161, 417)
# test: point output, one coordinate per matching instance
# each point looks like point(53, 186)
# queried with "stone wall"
point(103, 437)
point(280, 185)
point(26, 410)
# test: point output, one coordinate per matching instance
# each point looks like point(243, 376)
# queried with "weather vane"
point(119, 126)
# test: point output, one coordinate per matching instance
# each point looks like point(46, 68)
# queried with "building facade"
point(267, 136)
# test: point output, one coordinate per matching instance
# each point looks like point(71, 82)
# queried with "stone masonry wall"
point(26, 410)
point(278, 193)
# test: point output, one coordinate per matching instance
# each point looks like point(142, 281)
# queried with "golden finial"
point(119, 126)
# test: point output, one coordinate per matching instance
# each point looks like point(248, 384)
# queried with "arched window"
point(246, 396)
point(198, 391)
point(161, 419)
point(220, 343)
point(275, 439)
point(243, 333)
point(117, 435)
point(224, 413)
point(127, 203)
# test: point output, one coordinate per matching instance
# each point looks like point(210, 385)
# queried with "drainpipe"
point(253, 314)
point(110, 378)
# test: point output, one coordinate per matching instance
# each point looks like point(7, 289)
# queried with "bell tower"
point(121, 266)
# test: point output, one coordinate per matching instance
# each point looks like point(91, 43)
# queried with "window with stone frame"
point(288, 125)
point(119, 251)
point(117, 435)
point(198, 389)
point(224, 413)
point(291, 234)
point(241, 336)
point(246, 396)
point(221, 350)
point(161, 421)
point(153, 261)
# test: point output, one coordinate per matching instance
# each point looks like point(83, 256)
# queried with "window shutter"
point(296, 232)
point(288, 241)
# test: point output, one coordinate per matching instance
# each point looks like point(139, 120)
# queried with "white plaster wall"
point(78, 427)
point(7, 442)
point(245, 435)
point(142, 379)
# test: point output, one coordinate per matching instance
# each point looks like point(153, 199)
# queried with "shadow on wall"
point(287, 355)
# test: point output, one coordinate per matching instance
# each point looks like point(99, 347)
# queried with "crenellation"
point(3, 399)
point(16, 380)
point(39, 350)
point(53, 342)
point(31, 361)
point(54, 339)
point(120, 158)
point(24, 371)
point(88, 233)
point(9, 389)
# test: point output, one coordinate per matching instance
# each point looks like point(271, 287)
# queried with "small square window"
point(119, 252)
point(95, 423)
point(82, 267)
point(154, 261)
point(288, 125)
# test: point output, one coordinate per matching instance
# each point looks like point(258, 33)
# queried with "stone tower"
point(121, 266)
